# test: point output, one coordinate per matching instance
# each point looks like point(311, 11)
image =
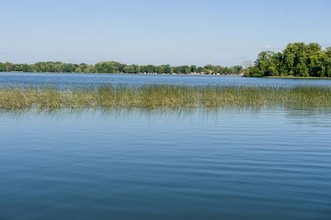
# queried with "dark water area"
point(71, 81)
point(197, 164)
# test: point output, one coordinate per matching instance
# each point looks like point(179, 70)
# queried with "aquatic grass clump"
point(310, 97)
point(14, 98)
point(165, 96)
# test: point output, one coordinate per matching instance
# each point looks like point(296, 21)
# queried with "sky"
point(175, 32)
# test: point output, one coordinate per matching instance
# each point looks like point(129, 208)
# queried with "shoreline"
point(182, 74)
point(296, 77)
point(288, 77)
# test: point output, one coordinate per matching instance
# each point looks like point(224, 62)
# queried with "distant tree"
point(328, 61)
point(2, 67)
point(237, 69)
point(316, 60)
point(109, 67)
point(130, 69)
point(8, 67)
point(116, 67)
point(167, 69)
point(193, 68)
point(265, 63)
point(297, 59)
point(182, 69)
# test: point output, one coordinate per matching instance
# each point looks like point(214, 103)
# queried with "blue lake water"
point(68, 81)
point(183, 164)
point(134, 164)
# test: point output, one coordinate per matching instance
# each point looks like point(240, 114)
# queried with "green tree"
point(327, 60)
point(297, 59)
point(316, 60)
point(109, 67)
point(193, 68)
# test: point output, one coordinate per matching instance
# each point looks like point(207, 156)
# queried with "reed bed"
point(153, 97)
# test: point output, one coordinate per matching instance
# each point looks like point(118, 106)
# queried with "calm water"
point(66, 81)
point(226, 164)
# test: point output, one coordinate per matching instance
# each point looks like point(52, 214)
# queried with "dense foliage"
point(115, 67)
point(296, 60)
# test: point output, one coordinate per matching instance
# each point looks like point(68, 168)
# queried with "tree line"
point(297, 60)
point(116, 67)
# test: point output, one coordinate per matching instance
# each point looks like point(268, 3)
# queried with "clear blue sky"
point(157, 31)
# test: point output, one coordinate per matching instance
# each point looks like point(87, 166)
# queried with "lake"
point(164, 164)
point(74, 80)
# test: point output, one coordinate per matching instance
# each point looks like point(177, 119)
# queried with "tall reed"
point(165, 96)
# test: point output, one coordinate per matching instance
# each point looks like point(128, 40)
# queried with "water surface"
point(74, 80)
point(198, 164)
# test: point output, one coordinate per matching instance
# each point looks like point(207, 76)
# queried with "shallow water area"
point(165, 164)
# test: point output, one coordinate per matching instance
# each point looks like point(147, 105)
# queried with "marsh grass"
point(155, 97)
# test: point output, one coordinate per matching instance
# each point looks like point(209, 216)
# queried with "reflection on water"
point(165, 164)
point(314, 117)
